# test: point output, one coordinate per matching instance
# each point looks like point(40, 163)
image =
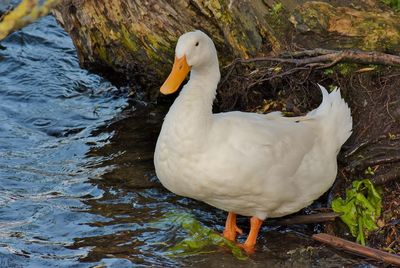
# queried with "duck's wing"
point(260, 142)
point(254, 160)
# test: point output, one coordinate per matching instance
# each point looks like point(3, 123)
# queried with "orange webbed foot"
point(250, 244)
point(248, 249)
point(231, 229)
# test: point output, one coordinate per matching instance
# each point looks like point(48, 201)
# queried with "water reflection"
point(47, 116)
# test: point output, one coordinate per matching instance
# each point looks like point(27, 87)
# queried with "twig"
point(387, 177)
point(357, 147)
point(304, 219)
point(385, 159)
point(317, 58)
point(307, 53)
point(263, 79)
point(232, 66)
point(357, 249)
point(26, 12)
point(334, 57)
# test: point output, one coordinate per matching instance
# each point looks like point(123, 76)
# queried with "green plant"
point(275, 14)
point(332, 88)
point(345, 68)
point(395, 4)
point(200, 239)
point(369, 171)
point(328, 71)
point(360, 209)
point(277, 8)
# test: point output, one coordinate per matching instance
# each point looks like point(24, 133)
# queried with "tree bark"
point(358, 249)
point(137, 38)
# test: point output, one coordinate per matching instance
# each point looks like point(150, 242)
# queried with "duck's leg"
point(231, 229)
point(255, 225)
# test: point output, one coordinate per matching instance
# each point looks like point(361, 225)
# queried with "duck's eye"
point(197, 44)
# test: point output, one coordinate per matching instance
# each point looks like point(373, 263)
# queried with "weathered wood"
point(304, 219)
point(332, 57)
point(137, 37)
point(358, 249)
point(364, 27)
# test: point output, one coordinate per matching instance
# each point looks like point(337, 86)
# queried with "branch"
point(357, 249)
point(327, 58)
point(317, 58)
point(304, 219)
point(25, 13)
point(392, 175)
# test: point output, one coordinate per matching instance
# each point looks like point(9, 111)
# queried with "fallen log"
point(357, 249)
point(139, 36)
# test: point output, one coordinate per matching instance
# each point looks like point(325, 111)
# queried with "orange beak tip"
point(180, 69)
point(166, 90)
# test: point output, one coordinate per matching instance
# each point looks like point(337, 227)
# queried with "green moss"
point(102, 52)
point(153, 48)
point(328, 71)
point(346, 68)
point(157, 55)
point(275, 16)
point(127, 41)
point(377, 34)
point(394, 4)
point(236, 36)
point(100, 48)
point(277, 8)
point(219, 12)
point(365, 30)
point(315, 20)
point(279, 20)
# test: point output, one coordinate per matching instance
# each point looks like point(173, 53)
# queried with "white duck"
point(258, 165)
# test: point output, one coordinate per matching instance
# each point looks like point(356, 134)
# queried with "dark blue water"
point(77, 183)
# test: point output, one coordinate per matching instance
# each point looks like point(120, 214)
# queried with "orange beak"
point(180, 69)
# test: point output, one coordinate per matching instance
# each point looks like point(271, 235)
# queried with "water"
point(77, 182)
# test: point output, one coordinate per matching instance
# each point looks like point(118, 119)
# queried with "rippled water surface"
point(77, 183)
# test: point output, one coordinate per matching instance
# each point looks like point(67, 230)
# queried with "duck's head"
point(194, 51)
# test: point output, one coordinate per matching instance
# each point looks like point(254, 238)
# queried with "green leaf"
point(360, 235)
point(361, 208)
point(349, 213)
point(200, 240)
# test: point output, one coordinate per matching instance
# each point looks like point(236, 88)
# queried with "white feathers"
point(247, 163)
point(335, 117)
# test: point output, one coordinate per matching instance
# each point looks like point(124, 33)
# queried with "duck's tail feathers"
point(334, 116)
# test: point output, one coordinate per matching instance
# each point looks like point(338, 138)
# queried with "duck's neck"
point(201, 89)
point(191, 112)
